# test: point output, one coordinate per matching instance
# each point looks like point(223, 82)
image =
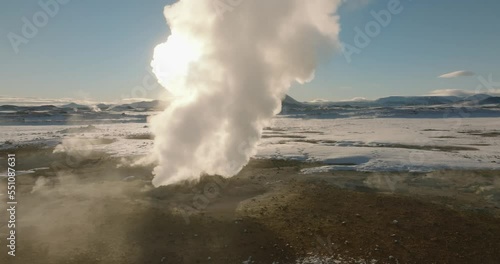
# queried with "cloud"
point(457, 74)
point(460, 93)
point(27, 101)
point(356, 99)
point(320, 100)
point(451, 92)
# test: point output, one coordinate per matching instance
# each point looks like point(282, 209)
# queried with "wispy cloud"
point(457, 74)
point(28, 101)
point(356, 99)
point(4, 100)
point(458, 92)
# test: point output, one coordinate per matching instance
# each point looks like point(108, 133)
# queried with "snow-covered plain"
point(387, 144)
point(362, 144)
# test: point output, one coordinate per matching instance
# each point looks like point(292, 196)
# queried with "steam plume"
point(228, 66)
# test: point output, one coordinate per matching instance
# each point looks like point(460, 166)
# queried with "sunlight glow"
point(172, 61)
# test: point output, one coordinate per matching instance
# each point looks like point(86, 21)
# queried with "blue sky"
point(101, 50)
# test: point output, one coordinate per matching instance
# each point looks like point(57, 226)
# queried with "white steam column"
point(228, 72)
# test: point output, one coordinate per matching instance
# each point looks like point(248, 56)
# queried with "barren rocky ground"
point(100, 210)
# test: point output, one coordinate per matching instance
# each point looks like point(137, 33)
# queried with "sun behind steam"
point(172, 60)
point(228, 75)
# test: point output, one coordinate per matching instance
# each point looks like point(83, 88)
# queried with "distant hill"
point(155, 105)
point(490, 100)
point(477, 97)
point(138, 112)
point(321, 107)
point(289, 101)
point(385, 101)
point(288, 104)
point(75, 106)
point(416, 100)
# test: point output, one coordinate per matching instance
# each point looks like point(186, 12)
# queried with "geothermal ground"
point(318, 191)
